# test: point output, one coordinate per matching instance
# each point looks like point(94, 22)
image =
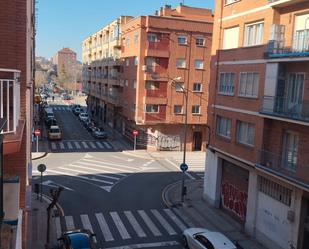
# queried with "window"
point(182, 40)
point(180, 63)
point(248, 84)
point(301, 29)
point(195, 109)
point(152, 37)
point(198, 64)
point(134, 84)
point(275, 190)
point(127, 41)
point(224, 127)
point(197, 87)
point(199, 42)
point(135, 60)
point(178, 109)
point(290, 150)
point(204, 241)
point(126, 82)
point(230, 38)
point(253, 34)
point(152, 85)
point(151, 108)
point(226, 84)
point(230, 1)
point(127, 61)
point(245, 133)
point(136, 37)
point(179, 87)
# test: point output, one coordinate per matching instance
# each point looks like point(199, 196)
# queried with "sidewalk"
point(38, 225)
point(201, 214)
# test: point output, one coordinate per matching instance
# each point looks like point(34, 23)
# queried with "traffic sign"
point(135, 132)
point(183, 167)
point(41, 168)
point(37, 132)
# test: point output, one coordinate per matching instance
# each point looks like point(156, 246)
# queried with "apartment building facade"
point(257, 162)
point(16, 94)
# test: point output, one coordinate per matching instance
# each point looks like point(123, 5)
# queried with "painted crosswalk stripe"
point(77, 145)
point(53, 145)
point(85, 145)
point(115, 168)
point(112, 164)
point(58, 227)
point(163, 222)
point(104, 227)
point(102, 168)
point(164, 244)
point(184, 217)
point(175, 219)
point(149, 223)
point(120, 226)
point(138, 229)
point(87, 224)
point(61, 145)
point(69, 222)
point(85, 172)
point(92, 145)
point(107, 145)
point(88, 168)
point(99, 145)
point(69, 145)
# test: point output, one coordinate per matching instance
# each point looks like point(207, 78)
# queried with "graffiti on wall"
point(234, 199)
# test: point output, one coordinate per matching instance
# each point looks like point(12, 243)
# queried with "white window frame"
point(228, 2)
point(178, 106)
point(180, 38)
point(136, 37)
point(251, 89)
point(200, 87)
point(197, 43)
point(127, 61)
point(245, 129)
point(199, 109)
point(150, 105)
point(229, 34)
point(126, 82)
point(201, 65)
point(290, 155)
point(179, 86)
point(151, 85)
point(257, 39)
point(151, 37)
point(134, 84)
point(183, 64)
point(135, 61)
point(224, 126)
point(226, 89)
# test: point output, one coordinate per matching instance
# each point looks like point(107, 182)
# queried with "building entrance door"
point(197, 140)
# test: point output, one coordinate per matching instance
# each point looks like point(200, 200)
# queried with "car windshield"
point(79, 241)
point(54, 130)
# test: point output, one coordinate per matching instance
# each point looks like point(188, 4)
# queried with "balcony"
point(114, 79)
point(156, 117)
point(284, 3)
point(158, 49)
point(286, 108)
point(113, 98)
point(284, 166)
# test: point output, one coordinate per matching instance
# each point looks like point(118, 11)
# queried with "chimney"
point(167, 11)
point(161, 11)
point(156, 13)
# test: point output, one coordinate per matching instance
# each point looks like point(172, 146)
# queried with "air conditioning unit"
point(144, 68)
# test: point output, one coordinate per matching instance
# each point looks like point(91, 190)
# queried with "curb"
point(167, 202)
point(40, 157)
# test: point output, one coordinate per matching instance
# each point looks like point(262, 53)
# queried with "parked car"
point(51, 122)
point(54, 133)
point(75, 106)
point(66, 97)
point(99, 133)
point(76, 239)
point(77, 111)
point(83, 116)
point(90, 126)
point(199, 238)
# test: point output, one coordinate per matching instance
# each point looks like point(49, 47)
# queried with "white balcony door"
point(295, 93)
point(301, 33)
point(290, 150)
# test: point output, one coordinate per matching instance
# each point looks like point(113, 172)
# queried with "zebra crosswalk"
point(127, 224)
point(81, 145)
point(61, 108)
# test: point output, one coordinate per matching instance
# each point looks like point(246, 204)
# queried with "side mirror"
point(93, 235)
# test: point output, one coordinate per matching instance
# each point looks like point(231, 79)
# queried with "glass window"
point(127, 62)
point(127, 41)
point(126, 82)
point(195, 109)
point(182, 39)
point(135, 60)
point(181, 63)
point(253, 34)
point(199, 41)
point(290, 150)
point(198, 64)
point(152, 37)
point(245, 133)
point(151, 108)
point(197, 87)
point(231, 1)
point(152, 85)
point(134, 84)
point(178, 109)
point(226, 83)
point(136, 37)
point(204, 241)
point(230, 38)
point(224, 127)
point(248, 84)
point(179, 87)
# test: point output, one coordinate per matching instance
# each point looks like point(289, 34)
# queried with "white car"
point(83, 116)
point(200, 238)
point(54, 133)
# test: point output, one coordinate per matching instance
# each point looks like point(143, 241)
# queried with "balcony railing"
point(285, 166)
point(155, 69)
point(158, 45)
point(10, 99)
point(156, 93)
point(286, 107)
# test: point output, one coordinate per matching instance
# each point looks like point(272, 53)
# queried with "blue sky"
point(65, 23)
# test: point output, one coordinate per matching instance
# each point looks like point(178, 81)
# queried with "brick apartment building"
point(156, 49)
point(16, 95)
point(257, 163)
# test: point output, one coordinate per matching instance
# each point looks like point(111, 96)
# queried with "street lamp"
point(183, 166)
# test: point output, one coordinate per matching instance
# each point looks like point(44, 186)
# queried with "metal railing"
point(10, 98)
point(158, 45)
point(286, 107)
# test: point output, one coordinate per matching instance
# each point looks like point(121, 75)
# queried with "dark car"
point(99, 133)
point(76, 239)
point(50, 122)
point(90, 126)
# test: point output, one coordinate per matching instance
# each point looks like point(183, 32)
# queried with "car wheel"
point(185, 242)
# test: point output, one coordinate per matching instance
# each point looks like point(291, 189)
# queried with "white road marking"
point(138, 229)
point(96, 171)
point(107, 188)
point(104, 227)
point(112, 164)
point(172, 163)
point(120, 226)
point(85, 145)
point(61, 145)
point(123, 159)
point(99, 145)
point(175, 219)
point(163, 222)
point(53, 145)
point(146, 245)
point(92, 145)
point(69, 145)
point(77, 145)
point(69, 222)
point(55, 185)
point(58, 227)
point(87, 225)
point(149, 223)
point(102, 167)
point(107, 145)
